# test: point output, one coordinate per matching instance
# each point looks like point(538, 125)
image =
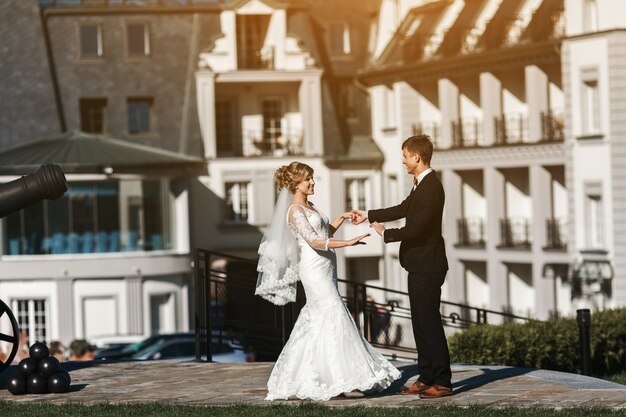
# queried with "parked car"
point(130, 350)
point(184, 349)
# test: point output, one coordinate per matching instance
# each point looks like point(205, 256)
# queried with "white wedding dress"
point(325, 355)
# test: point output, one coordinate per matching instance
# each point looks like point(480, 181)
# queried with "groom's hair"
point(421, 145)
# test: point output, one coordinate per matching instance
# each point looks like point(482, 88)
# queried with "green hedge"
point(552, 344)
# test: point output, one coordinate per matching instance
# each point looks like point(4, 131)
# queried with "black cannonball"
point(17, 385)
point(49, 366)
point(37, 384)
point(58, 383)
point(67, 376)
point(38, 351)
point(28, 367)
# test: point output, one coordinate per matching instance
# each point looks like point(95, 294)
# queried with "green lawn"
point(13, 409)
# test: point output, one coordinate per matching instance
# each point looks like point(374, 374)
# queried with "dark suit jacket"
point(422, 248)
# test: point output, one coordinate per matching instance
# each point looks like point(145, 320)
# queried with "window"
point(224, 127)
point(591, 107)
point(251, 34)
point(90, 41)
point(31, 316)
point(139, 115)
point(94, 217)
point(389, 110)
point(594, 222)
point(339, 38)
point(356, 194)
point(138, 39)
point(93, 115)
point(590, 19)
point(237, 197)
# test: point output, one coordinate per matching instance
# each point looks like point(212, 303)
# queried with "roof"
point(362, 149)
point(81, 152)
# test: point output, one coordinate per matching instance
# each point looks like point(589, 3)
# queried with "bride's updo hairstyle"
point(289, 176)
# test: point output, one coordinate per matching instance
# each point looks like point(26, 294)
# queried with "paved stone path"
point(219, 384)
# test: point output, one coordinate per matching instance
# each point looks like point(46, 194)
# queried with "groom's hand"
point(378, 227)
point(359, 216)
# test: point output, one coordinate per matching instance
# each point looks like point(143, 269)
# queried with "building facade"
point(520, 114)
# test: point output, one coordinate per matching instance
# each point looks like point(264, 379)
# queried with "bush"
point(552, 344)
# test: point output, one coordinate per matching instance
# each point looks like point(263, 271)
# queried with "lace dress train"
point(326, 354)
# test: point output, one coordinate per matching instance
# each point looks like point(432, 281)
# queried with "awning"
point(80, 152)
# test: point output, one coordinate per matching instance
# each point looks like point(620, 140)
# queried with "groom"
point(423, 255)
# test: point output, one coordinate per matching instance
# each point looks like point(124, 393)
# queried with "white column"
point(496, 270)
point(491, 103)
point(205, 94)
point(452, 212)
point(65, 316)
point(134, 297)
point(449, 105)
point(310, 99)
point(537, 99)
point(540, 192)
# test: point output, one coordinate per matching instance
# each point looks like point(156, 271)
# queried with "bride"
point(325, 355)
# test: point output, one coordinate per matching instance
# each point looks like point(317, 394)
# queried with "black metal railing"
point(432, 129)
point(552, 127)
point(471, 231)
point(272, 141)
point(226, 308)
point(515, 233)
point(556, 234)
point(467, 133)
point(511, 128)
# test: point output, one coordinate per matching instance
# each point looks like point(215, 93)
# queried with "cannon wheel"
point(13, 339)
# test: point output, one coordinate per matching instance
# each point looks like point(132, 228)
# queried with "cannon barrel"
point(47, 183)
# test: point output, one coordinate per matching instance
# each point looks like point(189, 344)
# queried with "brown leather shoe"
point(436, 391)
point(417, 388)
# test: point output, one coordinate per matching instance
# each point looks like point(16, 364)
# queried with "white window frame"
point(32, 322)
point(352, 192)
point(594, 216)
point(146, 40)
point(99, 47)
point(236, 201)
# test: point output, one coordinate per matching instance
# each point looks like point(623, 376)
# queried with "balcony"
point(471, 232)
point(432, 129)
point(552, 127)
point(272, 142)
point(511, 128)
point(467, 133)
point(556, 238)
point(514, 233)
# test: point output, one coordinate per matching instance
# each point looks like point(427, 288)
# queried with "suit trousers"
point(433, 361)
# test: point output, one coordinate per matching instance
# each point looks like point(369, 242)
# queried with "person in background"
point(56, 350)
point(81, 350)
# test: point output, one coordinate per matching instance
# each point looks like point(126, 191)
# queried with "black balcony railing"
point(471, 232)
point(552, 127)
point(467, 133)
point(226, 307)
point(511, 128)
point(514, 233)
point(272, 142)
point(556, 234)
point(432, 129)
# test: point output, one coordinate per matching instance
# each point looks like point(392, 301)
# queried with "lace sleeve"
point(300, 224)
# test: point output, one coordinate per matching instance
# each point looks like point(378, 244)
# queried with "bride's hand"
point(358, 240)
point(348, 215)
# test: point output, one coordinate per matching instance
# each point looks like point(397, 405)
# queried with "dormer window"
point(251, 35)
point(339, 39)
